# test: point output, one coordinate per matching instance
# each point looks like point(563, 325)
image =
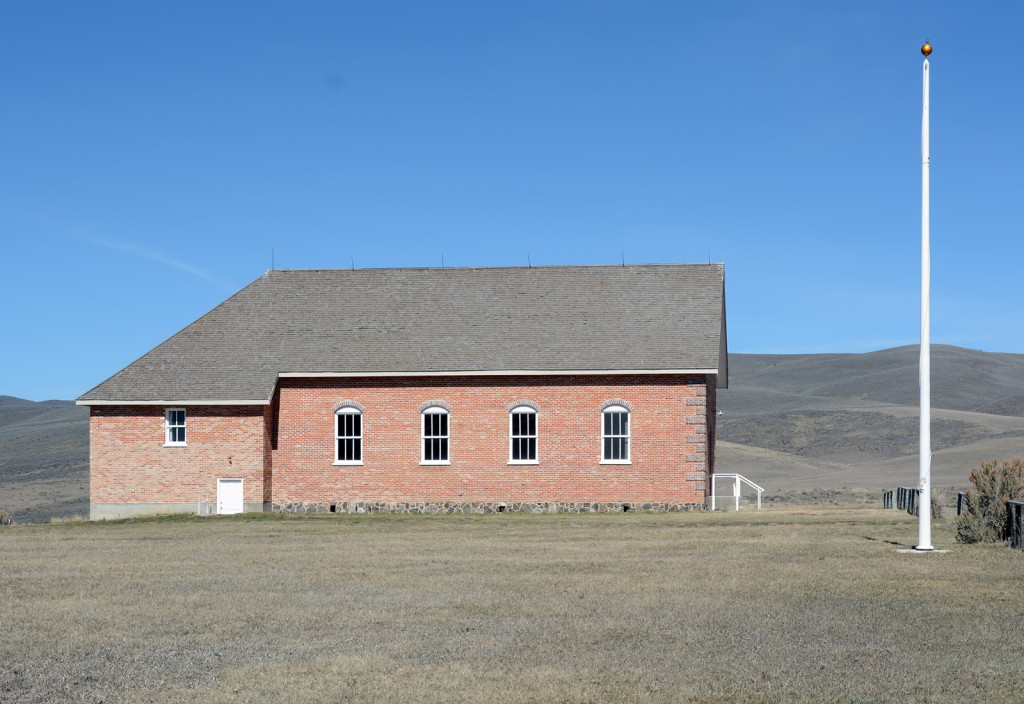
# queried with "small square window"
point(174, 426)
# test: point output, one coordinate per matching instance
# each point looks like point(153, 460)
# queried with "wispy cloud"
point(161, 258)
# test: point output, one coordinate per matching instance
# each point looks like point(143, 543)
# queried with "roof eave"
point(502, 372)
point(174, 402)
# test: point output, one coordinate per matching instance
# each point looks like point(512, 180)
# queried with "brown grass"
point(781, 605)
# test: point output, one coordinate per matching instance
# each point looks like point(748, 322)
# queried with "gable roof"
point(560, 319)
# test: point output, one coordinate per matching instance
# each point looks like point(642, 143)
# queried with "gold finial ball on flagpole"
point(926, 49)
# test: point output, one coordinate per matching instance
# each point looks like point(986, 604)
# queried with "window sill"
point(518, 462)
point(175, 444)
point(616, 462)
point(434, 463)
point(341, 463)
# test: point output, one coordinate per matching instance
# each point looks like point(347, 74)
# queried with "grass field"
point(781, 605)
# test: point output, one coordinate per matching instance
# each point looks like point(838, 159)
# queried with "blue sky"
point(157, 156)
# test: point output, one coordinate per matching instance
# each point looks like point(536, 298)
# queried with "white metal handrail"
point(737, 478)
point(203, 502)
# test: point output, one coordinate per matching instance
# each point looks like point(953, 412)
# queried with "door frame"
point(230, 481)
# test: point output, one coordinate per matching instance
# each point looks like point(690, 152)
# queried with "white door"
point(229, 496)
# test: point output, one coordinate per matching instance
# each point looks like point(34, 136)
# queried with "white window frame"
point(338, 437)
point(605, 412)
point(512, 438)
point(169, 428)
point(446, 437)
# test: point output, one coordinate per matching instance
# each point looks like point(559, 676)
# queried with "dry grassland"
point(778, 606)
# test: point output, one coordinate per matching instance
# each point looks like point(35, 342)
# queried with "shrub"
point(985, 518)
point(5, 518)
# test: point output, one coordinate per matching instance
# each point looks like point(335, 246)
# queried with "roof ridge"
point(507, 267)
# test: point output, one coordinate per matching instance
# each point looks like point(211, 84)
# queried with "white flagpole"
point(924, 539)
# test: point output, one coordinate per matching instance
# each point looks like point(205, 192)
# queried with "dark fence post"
point(906, 499)
point(1016, 509)
point(961, 502)
point(887, 499)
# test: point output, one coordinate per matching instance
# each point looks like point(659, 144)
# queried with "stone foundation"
point(476, 507)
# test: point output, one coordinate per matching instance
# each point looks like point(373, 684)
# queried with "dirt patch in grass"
point(780, 605)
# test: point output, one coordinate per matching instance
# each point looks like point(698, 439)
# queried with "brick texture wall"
point(670, 437)
point(285, 452)
point(128, 462)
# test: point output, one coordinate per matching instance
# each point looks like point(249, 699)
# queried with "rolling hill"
point(44, 459)
point(800, 422)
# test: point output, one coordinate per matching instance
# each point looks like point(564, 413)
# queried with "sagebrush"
point(985, 518)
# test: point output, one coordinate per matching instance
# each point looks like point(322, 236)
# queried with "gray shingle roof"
point(463, 320)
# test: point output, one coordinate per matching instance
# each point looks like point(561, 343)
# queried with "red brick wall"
point(669, 440)
point(285, 452)
point(128, 462)
point(268, 453)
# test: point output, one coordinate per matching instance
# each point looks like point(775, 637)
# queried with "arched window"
point(349, 435)
point(615, 435)
point(522, 435)
point(435, 435)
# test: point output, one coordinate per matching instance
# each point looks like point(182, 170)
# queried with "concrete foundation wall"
point(113, 511)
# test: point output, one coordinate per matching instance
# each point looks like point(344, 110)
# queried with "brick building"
point(550, 388)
